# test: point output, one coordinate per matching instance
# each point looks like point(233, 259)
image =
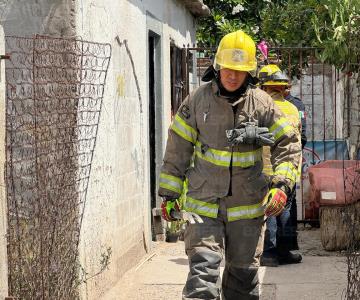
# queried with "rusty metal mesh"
point(352, 214)
point(54, 90)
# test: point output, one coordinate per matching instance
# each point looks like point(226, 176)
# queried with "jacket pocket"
point(256, 184)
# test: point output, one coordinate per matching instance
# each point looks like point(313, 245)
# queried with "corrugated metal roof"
point(197, 7)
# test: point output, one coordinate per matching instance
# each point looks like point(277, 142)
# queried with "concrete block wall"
point(117, 213)
point(117, 210)
point(323, 102)
point(44, 17)
point(333, 110)
point(3, 210)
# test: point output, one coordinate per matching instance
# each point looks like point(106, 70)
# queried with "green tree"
point(338, 32)
point(289, 23)
point(230, 15)
point(334, 26)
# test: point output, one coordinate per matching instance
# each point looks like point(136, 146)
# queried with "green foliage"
point(334, 26)
point(289, 23)
point(230, 15)
point(338, 31)
point(104, 263)
point(175, 226)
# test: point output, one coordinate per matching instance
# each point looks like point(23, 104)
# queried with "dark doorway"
point(177, 83)
point(152, 120)
point(155, 124)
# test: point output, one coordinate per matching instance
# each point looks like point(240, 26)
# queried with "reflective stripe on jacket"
point(293, 117)
point(197, 149)
point(301, 108)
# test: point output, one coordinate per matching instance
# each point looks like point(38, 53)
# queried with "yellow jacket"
point(293, 116)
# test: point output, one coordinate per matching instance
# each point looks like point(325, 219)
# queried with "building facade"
point(132, 123)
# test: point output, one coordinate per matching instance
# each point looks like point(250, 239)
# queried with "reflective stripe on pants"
point(241, 241)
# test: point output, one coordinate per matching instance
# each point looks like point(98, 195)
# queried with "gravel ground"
point(310, 242)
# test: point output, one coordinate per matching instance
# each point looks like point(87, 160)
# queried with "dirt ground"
point(310, 242)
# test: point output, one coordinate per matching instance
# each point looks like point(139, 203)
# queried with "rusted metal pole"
point(312, 108)
point(187, 70)
point(324, 110)
point(335, 113)
point(184, 72)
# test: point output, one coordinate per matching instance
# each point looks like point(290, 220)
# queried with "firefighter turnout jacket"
point(293, 116)
point(197, 150)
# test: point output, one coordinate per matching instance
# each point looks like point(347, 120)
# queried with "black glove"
point(250, 133)
point(282, 186)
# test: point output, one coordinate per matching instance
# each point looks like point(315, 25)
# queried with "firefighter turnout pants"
point(241, 242)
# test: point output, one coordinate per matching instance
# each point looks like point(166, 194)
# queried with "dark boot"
point(290, 258)
point(269, 261)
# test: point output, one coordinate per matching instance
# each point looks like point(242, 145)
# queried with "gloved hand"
point(250, 133)
point(276, 200)
point(168, 207)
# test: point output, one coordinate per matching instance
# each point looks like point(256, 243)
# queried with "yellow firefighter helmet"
point(272, 75)
point(236, 51)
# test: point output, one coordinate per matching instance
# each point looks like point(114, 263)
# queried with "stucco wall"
point(30, 17)
point(3, 211)
point(117, 210)
point(117, 213)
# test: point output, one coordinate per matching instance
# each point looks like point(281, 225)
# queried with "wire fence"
point(352, 213)
point(54, 92)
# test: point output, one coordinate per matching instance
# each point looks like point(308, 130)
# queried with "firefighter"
point(293, 241)
point(215, 142)
point(301, 108)
point(280, 234)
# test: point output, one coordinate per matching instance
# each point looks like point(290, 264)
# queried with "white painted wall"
point(30, 17)
point(117, 210)
point(3, 211)
point(117, 213)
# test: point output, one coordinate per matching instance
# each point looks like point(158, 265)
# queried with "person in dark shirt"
point(301, 108)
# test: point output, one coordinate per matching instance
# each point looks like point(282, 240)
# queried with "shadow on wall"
point(46, 17)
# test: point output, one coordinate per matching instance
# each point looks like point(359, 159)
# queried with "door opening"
point(155, 128)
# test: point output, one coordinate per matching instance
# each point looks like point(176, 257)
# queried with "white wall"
point(117, 210)
point(30, 17)
point(3, 211)
point(117, 213)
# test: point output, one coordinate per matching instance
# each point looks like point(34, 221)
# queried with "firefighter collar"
point(233, 97)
